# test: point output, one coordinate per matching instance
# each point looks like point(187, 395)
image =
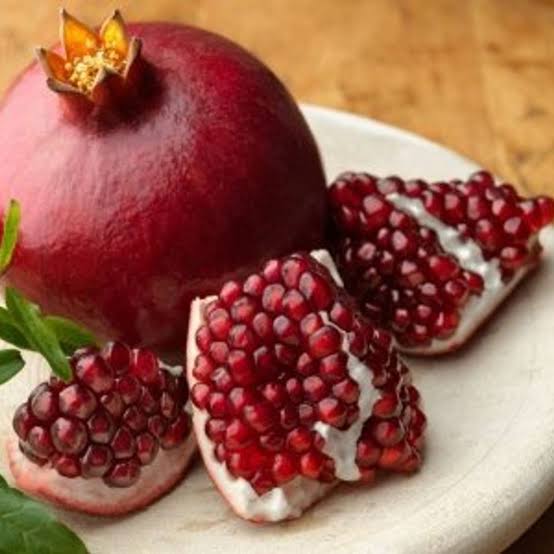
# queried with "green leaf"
point(11, 363)
point(10, 332)
point(70, 335)
point(9, 235)
point(40, 336)
point(26, 527)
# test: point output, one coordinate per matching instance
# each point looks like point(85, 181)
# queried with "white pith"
point(341, 445)
point(470, 257)
point(93, 496)
point(289, 500)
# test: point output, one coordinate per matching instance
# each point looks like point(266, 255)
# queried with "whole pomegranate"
point(151, 169)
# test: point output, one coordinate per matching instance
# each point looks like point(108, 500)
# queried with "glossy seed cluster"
point(397, 267)
point(493, 215)
point(273, 360)
point(109, 421)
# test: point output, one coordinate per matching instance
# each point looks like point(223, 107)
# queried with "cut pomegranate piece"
point(442, 260)
point(112, 441)
point(313, 393)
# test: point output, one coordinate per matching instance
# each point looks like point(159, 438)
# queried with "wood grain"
point(477, 76)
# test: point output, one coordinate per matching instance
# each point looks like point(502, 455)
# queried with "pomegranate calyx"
point(95, 64)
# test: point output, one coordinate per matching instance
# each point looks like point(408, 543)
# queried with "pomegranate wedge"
point(293, 390)
point(432, 261)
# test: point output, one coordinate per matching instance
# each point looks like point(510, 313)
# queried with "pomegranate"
point(293, 390)
point(112, 440)
point(152, 169)
point(432, 261)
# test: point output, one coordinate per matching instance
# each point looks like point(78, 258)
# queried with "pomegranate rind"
point(93, 496)
point(286, 502)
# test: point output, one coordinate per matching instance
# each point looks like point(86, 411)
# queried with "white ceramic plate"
point(489, 469)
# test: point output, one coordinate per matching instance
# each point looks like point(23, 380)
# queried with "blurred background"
point(475, 75)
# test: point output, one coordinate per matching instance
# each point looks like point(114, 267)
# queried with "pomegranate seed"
point(144, 365)
point(272, 271)
point(332, 368)
point(96, 461)
point(275, 393)
point(94, 373)
point(457, 291)
point(230, 292)
point(288, 417)
point(347, 391)
point(388, 433)
point(261, 417)
point(272, 298)
point(123, 444)
point(157, 425)
point(243, 310)
point(295, 305)
point(273, 442)
point(219, 351)
point(43, 403)
point(112, 403)
point(68, 466)
point(311, 464)
point(254, 286)
point(23, 421)
point(299, 440)
point(100, 427)
point(39, 442)
point(286, 330)
point(314, 388)
point(316, 289)
point(77, 401)
point(147, 448)
point(323, 342)
point(446, 324)
point(241, 337)
point(306, 365)
point(176, 432)
point(215, 429)
point(377, 212)
point(503, 209)
point(546, 206)
point(292, 269)
point(367, 453)
point(262, 482)
point(443, 267)
point(117, 355)
point(263, 327)
point(284, 468)
point(489, 236)
point(513, 257)
point(123, 474)
point(203, 338)
point(310, 324)
point(516, 229)
point(237, 435)
point(332, 411)
point(532, 215)
point(129, 389)
point(220, 323)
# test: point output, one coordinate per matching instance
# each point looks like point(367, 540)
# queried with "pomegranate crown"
point(93, 60)
point(25, 327)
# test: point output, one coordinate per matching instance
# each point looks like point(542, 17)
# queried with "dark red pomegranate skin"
point(129, 214)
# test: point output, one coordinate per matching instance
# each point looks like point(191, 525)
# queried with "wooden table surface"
point(475, 75)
